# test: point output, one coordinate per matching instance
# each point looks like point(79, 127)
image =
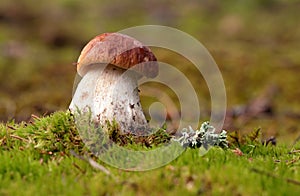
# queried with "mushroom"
point(110, 66)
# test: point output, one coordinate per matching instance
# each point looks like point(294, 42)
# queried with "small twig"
point(35, 116)
point(19, 138)
point(11, 127)
point(294, 151)
point(293, 161)
point(77, 155)
point(93, 163)
point(79, 168)
point(296, 182)
point(292, 181)
point(97, 166)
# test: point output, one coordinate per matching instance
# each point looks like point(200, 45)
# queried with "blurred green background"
point(255, 43)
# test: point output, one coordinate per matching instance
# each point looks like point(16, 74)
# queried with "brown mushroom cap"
point(120, 50)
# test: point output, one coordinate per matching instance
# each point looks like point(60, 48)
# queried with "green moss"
point(49, 136)
point(154, 138)
point(35, 159)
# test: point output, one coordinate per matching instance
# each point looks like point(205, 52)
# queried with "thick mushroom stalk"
point(111, 95)
point(108, 90)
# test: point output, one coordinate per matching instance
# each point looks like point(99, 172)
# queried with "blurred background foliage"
point(256, 44)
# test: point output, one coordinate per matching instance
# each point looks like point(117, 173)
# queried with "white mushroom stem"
point(111, 94)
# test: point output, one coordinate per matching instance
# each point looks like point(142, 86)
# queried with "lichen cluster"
point(204, 137)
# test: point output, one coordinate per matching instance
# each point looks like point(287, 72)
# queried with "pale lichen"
point(204, 137)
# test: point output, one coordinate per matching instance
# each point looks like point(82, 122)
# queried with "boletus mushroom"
point(110, 66)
